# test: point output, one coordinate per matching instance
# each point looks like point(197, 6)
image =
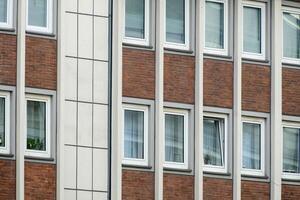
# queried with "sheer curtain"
point(214, 25)
point(135, 19)
point(174, 138)
point(291, 35)
point(175, 22)
point(2, 122)
point(291, 150)
point(3, 11)
point(251, 146)
point(213, 142)
point(134, 134)
point(37, 13)
point(252, 30)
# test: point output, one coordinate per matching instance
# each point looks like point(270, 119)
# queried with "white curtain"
point(174, 138)
point(2, 122)
point(251, 146)
point(214, 25)
point(3, 11)
point(37, 13)
point(175, 22)
point(291, 150)
point(213, 142)
point(134, 19)
point(252, 30)
point(134, 134)
point(291, 35)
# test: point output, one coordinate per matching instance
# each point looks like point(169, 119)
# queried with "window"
point(6, 13)
point(176, 138)
point(4, 122)
point(291, 36)
point(215, 143)
point(254, 30)
point(177, 24)
point(216, 27)
point(38, 126)
point(291, 151)
point(136, 22)
point(135, 135)
point(253, 147)
point(40, 16)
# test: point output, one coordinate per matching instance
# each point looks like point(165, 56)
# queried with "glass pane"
point(175, 22)
point(3, 11)
point(251, 146)
point(36, 125)
point(2, 122)
point(252, 30)
point(37, 13)
point(291, 150)
point(134, 134)
point(291, 35)
point(135, 19)
point(213, 142)
point(214, 25)
point(174, 138)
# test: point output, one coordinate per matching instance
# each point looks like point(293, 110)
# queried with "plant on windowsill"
point(207, 159)
point(1, 141)
point(35, 143)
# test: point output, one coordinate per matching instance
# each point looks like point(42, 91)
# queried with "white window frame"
point(139, 41)
point(185, 114)
point(262, 7)
point(213, 168)
point(38, 29)
point(261, 122)
point(145, 110)
point(10, 11)
point(217, 51)
point(6, 148)
point(186, 45)
point(37, 153)
point(286, 175)
point(287, 59)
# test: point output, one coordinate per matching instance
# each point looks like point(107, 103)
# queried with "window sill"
point(3, 29)
point(291, 181)
point(5, 155)
point(217, 173)
point(217, 56)
point(174, 50)
point(286, 64)
point(256, 61)
point(125, 44)
point(136, 166)
point(169, 169)
point(254, 176)
point(39, 158)
point(44, 34)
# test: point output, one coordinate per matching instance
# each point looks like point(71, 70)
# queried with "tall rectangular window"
point(291, 36)
point(177, 24)
point(216, 27)
point(254, 30)
point(137, 22)
point(6, 13)
point(135, 135)
point(4, 122)
point(40, 16)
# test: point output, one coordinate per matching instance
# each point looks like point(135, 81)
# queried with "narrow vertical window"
point(6, 13)
point(4, 123)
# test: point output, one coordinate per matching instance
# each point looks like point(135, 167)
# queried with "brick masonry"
point(255, 190)
point(216, 189)
point(7, 179)
point(290, 192)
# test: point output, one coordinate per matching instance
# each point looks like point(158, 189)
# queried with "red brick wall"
point(7, 179)
point(8, 59)
point(216, 189)
point(255, 190)
point(41, 63)
point(256, 88)
point(178, 187)
point(137, 185)
point(290, 192)
point(138, 73)
point(40, 181)
point(218, 83)
point(291, 91)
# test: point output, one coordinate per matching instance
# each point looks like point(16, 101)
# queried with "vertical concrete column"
point(276, 100)
point(200, 26)
point(237, 99)
point(159, 98)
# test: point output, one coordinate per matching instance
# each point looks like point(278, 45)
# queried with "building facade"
point(145, 99)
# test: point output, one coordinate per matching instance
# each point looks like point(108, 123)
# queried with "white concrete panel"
point(85, 80)
point(71, 32)
point(100, 171)
point(99, 195)
point(100, 126)
point(84, 195)
point(85, 36)
point(101, 82)
point(85, 168)
point(71, 5)
point(71, 78)
point(70, 167)
point(101, 38)
point(101, 7)
point(70, 195)
point(86, 6)
point(85, 123)
point(70, 124)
